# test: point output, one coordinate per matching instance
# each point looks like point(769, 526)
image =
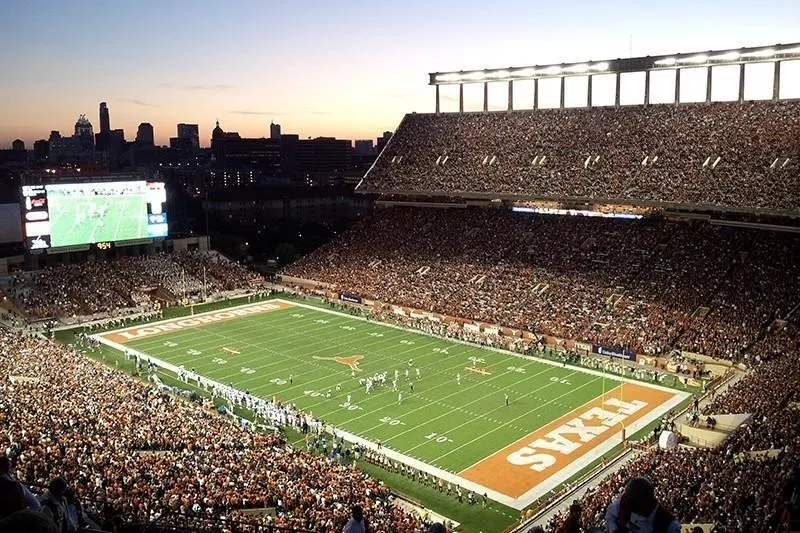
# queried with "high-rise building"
point(41, 149)
point(183, 144)
point(274, 131)
point(189, 131)
point(382, 141)
point(18, 145)
point(105, 121)
point(80, 146)
point(364, 147)
point(83, 128)
point(102, 139)
point(144, 135)
point(323, 154)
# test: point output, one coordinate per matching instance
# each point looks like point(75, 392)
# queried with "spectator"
point(54, 505)
point(10, 491)
point(637, 509)
point(27, 521)
point(357, 522)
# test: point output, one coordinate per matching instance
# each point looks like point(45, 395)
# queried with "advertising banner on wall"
point(620, 353)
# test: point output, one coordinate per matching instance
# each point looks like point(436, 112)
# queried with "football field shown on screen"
point(495, 422)
point(80, 219)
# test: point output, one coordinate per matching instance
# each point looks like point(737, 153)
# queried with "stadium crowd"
point(645, 285)
point(125, 284)
point(728, 486)
point(724, 154)
point(149, 456)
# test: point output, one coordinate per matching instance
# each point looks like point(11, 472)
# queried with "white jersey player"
point(458, 378)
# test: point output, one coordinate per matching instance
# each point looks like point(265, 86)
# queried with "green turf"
point(77, 219)
point(441, 423)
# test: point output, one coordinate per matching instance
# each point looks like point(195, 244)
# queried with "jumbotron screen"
point(70, 214)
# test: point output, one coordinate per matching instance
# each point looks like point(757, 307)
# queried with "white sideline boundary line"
point(520, 503)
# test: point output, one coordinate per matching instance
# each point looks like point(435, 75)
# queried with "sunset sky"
point(349, 70)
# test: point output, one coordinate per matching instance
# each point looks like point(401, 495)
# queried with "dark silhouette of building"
point(364, 147)
point(105, 121)
point(383, 140)
point(77, 148)
point(144, 135)
point(182, 144)
point(18, 145)
point(103, 138)
point(41, 149)
point(323, 154)
point(218, 134)
point(191, 132)
point(274, 131)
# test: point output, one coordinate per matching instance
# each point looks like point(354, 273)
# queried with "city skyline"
point(319, 70)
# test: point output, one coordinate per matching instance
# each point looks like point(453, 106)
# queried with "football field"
point(453, 419)
point(77, 219)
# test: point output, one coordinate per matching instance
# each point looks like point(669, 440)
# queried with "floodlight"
point(474, 76)
point(453, 76)
point(582, 67)
point(524, 73)
point(552, 71)
point(767, 52)
point(694, 60)
point(599, 67)
point(666, 62)
point(795, 50)
point(498, 74)
point(728, 56)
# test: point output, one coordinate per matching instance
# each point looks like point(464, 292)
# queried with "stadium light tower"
point(742, 56)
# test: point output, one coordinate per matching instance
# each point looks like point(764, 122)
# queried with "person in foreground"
point(637, 510)
point(357, 523)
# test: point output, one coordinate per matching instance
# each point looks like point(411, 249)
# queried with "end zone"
point(121, 336)
point(532, 466)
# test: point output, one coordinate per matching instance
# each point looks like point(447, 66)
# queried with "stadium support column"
point(589, 91)
point(741, 83)
point(437, 99)
point(563, 90)
point(708, 84)
point(677, 86)
point(460, 97)
point(617, 90)
point(646, 87)
point(536, 94)
point(776, 82)
point(510, 95)
point(486, 96)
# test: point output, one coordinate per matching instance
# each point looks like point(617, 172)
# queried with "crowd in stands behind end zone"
point(125, 283)
point(725, 154)
point(729, 487)
point(636, 284)
point(151, 456)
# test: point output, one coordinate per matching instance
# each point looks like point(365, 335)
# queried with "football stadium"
point(565, 319)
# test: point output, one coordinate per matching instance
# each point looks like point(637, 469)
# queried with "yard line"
point(546, 385)
point(484, 435)
point(458, 391)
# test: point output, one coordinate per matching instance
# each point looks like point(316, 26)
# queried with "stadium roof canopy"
point(712, 58)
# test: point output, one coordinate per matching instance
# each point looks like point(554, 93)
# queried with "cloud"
point(258, 113)
point(138, 102)
point(191, 87)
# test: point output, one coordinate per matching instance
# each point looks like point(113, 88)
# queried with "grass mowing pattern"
point(441, 423)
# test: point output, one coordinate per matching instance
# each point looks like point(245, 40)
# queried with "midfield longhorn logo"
point(351, 361)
